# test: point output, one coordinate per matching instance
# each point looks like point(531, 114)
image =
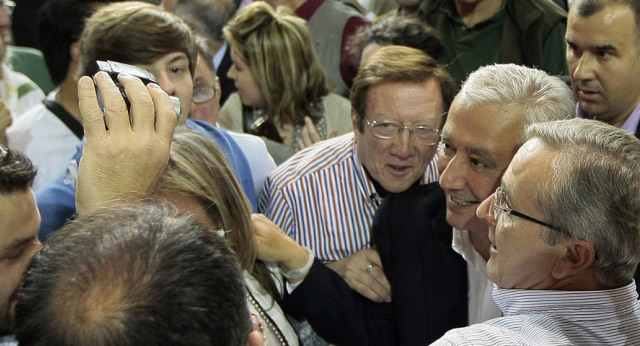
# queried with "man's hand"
point(363, 272)
point(5, 122)
point(274, 246)
point(127, 158)
point(310, 135)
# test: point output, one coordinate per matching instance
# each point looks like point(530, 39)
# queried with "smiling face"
point(173, 75)
point(603, 55)
point(520, 258)
point(479, 142)
point(398, 163)
point(19, 225)
point(245, 82)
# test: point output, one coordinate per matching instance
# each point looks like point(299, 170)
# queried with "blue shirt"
point(57, 200)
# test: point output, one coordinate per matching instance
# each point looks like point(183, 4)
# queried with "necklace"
point(271, 325)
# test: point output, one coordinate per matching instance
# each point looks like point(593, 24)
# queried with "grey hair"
point(594, 193)
point(539, 96)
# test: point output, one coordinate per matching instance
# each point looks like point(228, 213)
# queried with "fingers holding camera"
point(90, 111)
point(124, 161)
point(166, 117)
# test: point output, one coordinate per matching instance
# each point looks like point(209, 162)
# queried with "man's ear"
point(579, 257)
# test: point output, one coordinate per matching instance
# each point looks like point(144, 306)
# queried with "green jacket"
point(527, 25)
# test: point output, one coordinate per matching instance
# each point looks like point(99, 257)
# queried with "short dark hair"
point(133, 275)
point(588, 8)
point(134, 32)
point(398, 64)
point(207, 16)
point(60, 24)
point(398, 31)
point(16, 171)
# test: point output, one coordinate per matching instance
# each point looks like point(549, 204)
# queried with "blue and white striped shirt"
point(550, 317)
point(323, 199)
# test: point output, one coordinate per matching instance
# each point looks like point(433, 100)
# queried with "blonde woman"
point(199, 181)
point(282, 92)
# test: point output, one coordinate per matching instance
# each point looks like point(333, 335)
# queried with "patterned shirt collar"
point(590, 304)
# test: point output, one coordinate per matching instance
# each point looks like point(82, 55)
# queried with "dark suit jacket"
point(226, 84)
point(429, 280)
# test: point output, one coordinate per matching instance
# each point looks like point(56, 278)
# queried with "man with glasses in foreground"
point(433, 288)
point(564, 227)
point(325, 196)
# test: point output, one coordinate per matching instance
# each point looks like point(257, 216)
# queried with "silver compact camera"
point(115, 68)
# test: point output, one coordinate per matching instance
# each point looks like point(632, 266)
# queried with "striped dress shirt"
point(322, 198)
point(546, 317)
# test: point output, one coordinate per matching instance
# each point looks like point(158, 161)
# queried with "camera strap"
point(69, 121)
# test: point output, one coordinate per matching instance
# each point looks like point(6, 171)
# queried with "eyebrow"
point(178, 57)
point(483, 153)
point(16, 244)
point(605, 47)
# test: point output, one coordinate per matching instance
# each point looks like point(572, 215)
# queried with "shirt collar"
point(593, 305)
point(449, 8)
point(461, 244)
point(629, 125)
point(365, 183)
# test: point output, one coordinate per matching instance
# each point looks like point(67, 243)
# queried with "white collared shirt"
point(481, 304)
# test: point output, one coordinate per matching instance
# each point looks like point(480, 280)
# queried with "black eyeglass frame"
point(510, 211)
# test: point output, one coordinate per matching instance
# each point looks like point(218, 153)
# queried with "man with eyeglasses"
point(564, 228)
point(325, 196)
point(434, 289)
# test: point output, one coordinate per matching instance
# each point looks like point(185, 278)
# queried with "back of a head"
point(134, 32)
point(277, 47)
point(60, 24)
point(539, 96)
point(398, 31)
point(398, 64)
point(594, 194)
point(133, 275)
point(16, 171)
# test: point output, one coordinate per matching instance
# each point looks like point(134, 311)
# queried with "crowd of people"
point(447, 172)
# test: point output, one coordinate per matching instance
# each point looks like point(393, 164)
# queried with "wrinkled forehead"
point(486, 126)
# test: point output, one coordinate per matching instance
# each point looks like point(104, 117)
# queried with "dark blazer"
point(428, 278)
point(227, 84)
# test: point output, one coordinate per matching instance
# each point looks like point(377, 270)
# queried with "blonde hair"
point(198, 169)
point(276, 45)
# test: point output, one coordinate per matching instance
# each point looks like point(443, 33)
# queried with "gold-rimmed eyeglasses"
point(390, 130)
point(203, 93)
